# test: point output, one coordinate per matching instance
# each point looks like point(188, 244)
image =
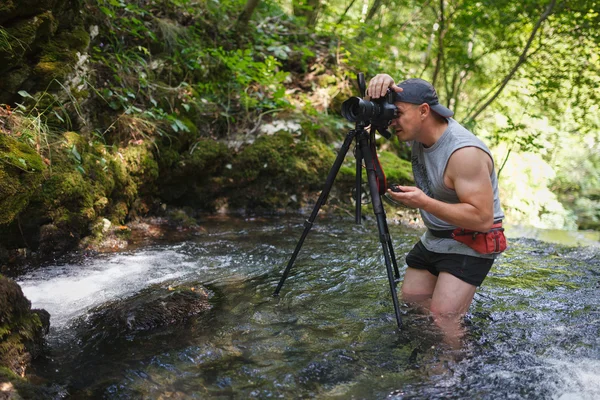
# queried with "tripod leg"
point(357, 213)
point(322, 198)
point(384, 235)
point(391, 249)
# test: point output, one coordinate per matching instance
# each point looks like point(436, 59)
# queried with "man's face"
point(408, 123)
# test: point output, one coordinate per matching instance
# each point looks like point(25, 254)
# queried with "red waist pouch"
point(492, 242)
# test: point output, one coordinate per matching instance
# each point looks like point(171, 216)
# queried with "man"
point(456, 187)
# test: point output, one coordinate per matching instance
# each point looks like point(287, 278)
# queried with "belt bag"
point(492, 242)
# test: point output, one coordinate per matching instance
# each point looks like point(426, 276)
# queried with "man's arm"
point(468, 173)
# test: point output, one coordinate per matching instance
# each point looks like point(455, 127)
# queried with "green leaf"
point(59, 117)
point(107, 11)
point(75, 153)
point(23, 93)
point(181, 126)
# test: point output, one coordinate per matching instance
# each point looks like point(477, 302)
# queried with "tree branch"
point(346, 12)
point(440, 54)
point(522, 59)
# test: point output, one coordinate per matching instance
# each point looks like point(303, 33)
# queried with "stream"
point(533, 330)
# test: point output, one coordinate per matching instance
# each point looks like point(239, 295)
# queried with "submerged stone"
point(154, 308)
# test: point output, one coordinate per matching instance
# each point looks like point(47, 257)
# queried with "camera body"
point(378, 113)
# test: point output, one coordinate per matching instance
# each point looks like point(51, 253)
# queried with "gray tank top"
point(429, 165)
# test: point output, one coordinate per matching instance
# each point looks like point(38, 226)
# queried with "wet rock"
point(21, 328)
point(56, 241)
point(154, 308)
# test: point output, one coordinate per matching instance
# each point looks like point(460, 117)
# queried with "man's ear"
point(424, 110)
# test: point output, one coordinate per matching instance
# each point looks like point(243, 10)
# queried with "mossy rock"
point(21, 172)
point(140, 161)
point(21, 329)
point(22, 333)
point(10, 9)
point(275, 171)
point(58, 58)
point(43, 41)
point(88, 180)
point(194, 178)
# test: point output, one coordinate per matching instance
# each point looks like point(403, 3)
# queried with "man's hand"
point(410, 196)
point(379, 84)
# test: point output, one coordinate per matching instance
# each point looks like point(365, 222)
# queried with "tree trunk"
point(244, 18)
point(373, 10)
point(440, 53)
point(307, 9)
point(370, 14)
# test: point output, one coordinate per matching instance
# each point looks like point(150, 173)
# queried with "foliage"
point(521, 75)
point(162, 69)
point(516, 73)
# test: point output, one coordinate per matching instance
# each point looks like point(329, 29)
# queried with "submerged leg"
point(418, 287)
point(450, 301)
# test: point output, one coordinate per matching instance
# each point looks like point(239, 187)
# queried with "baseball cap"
point(419, 91)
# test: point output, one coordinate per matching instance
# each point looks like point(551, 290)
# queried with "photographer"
point(457, 195)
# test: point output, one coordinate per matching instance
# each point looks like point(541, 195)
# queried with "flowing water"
point(533, 330)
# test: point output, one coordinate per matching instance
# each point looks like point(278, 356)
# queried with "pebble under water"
point(533, 330)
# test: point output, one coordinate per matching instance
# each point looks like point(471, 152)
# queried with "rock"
point(152, 309)
point(22, 330)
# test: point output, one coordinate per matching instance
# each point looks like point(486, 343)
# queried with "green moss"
point(141, 163)
point(20, 175)
point(59, 56)
point(206, 156)
point(20, 328)
point(118, 211)
point(195, 177)
point(28, 31)
point(168, 157)
point(22, 388)
point(396, 169)
point(47, 71)
point(69, 198)
point(276, 170)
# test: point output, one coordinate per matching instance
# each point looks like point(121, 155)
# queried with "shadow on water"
point(532, 331)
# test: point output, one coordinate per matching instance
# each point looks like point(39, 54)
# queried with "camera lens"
point(356, 109)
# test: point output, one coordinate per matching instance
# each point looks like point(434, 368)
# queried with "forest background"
point(117, 109)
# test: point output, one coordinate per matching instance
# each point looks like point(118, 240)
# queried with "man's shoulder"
point(464, 137)
point(457, 128)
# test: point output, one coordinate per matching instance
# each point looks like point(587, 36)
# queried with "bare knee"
point(442, 315)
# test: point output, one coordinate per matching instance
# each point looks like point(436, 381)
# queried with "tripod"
point(363, 151)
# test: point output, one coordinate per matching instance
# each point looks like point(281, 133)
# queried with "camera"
point(378, 113)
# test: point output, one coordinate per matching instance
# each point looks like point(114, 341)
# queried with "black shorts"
point(472, 270)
